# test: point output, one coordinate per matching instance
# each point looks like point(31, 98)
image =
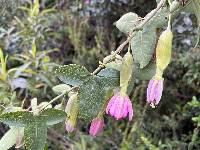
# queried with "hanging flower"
point(154, 91)
point(120, 107)
point(96, 126)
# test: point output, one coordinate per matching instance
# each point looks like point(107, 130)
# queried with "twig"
point(139, 27)
point(56, 98)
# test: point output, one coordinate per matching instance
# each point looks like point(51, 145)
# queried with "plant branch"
point(139, 27)
point(57, 97)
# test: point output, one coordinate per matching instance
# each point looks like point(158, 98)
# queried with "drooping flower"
point(154, 91)
point(163, 57)
point(96, 126)
point(120, 107)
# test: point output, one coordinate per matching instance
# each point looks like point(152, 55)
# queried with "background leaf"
point(127, 22)
point(143, 45)
point(144, 41)
point(9, 138)
point(35, 136)
point(59, 89)
point(109, 73)
point(91, 98)
point(53, 116)
point(72, 74)
point(19, 118)
point(145, 73)
point(108, 77)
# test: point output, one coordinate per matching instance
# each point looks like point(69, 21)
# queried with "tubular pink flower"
point(154, 92)
point(120, 107)
point(96, 126)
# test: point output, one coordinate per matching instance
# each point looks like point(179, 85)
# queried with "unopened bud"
point(163, 51)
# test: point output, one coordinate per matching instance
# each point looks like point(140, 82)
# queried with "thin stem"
point(56, 98)
point(131, 35)
point(198, 37)
point(170, 16)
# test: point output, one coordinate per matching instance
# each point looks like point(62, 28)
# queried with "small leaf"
point(114, 65)
point(126, 23)
point(72, 74)
point(108, 73)
point(91, 98)
point(53, 116)
point(143, 45)
point(145, 73)
point(158, 20)
point(9, 139)
point(19, 118)
point(144, 41)
point(109, 77)
point(19, 83)
point(35, 136)
point(197, 120)
point(59, 89)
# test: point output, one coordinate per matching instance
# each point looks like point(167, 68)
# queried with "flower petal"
point(119, 108)
point(158, 91)
point(96, 126)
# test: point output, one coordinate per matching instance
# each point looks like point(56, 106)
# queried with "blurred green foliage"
point(37, 38)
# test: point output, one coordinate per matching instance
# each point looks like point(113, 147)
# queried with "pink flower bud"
point(120, 107)
point(154, 92)
point(96, 126)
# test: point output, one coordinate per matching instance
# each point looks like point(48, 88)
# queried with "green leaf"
point(53, 116)
point(19, 118)
point(35, 127)
point(114, 65)
point(35, 136)
point(91, 98)
point(144, 41)
point(9, 139)
point(143, 45)
point(197, 120)
point(159, 20)
point(145, 73)
point(108, 77)
point(127, 22)
point(59, 89)
point(72, 74)
point(109, 73)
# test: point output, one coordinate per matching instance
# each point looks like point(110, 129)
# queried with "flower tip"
point(69, 127)
point(154, 92)
point(152, 105)
point(96, 127)
point(120, 107)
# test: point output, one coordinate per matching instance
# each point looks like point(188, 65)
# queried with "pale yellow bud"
point(163, 51)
